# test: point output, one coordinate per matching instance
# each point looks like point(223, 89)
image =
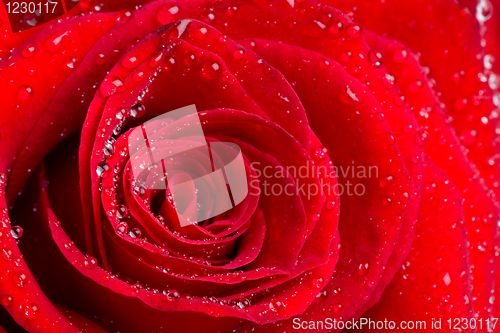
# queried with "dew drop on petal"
point(102, 170)
point(200, 33)
point(210, 69)
point(348, 97)
point(276, 305)
point(130, 62)
point(167, 13)
point(16, 232)
point(54, 43)
point(238, 54)
point(374, 59)
point(25, 92)
point(336, 27)
point(172, 295)
point(100, 59)
point(109, 86)
point(20, 279)
point(331, 204)
point(461, 104)
point(7, 254)
point(7, 300)
point(135, 233)
point(388, 80)
point(322, 152)
point(400, 55)
point(354, 31)
point(318, 283)
point(122, 228)
point(31, 310)
point(28, 51)
point(121, 211)
point(415, 85)
point(137, 111)
point(363, 269)
point(124, 16)
point(447, 279)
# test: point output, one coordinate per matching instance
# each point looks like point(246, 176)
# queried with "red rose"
point(342, 168)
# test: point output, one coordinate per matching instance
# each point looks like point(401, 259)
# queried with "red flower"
point(364, 134)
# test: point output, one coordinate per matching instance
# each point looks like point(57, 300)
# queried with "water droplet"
point(323, 63)
point(390, 138)
point(172, 295)
point(130, 62)
point(430, 188)
point(276, 305)
point(135, 233)
point(90, 262)
point(20, 279)
point(348, 97)
point(137, 111)
point(109, 86)
point(322, 152)
point(31, 310)
point(331, 204)
point(337, 308)
point(488, 60)
point(447, 279)
point(238, 54)
point(415, 85)
point(54, 43)
point(421, 138)
point(28, 51)
point(200, 33)
point(487, 218)
point(25, 92)
point(210, 69)
point(7, 254)
point(70, 63)
point(102, 169)
point(138, 76)
point(100, 59)
point(386, 201)
point(7, 300)
point(461, 104)
point(374, 59)
point(124, 16)
point(167, 13)
point(385, 181)
point(210, 18)
point(154, 62)
point(336, 28)
point(318, 283)
point(16, 232)
point(121, 211)
point(399, 100)
point(354, 31)
point(400, 55)
point(122, 228)
point(388, 80)
point(484, 10)
point(363, 269)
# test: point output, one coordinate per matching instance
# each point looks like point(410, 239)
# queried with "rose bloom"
point(367, 143)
